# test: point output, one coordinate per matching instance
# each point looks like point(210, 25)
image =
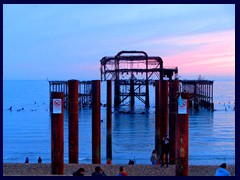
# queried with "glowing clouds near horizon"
point(213, 53)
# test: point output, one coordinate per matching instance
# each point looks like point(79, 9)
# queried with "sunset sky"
point(61, 42)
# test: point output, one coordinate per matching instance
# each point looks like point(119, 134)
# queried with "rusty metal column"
point(96, 126)
point(157, 117)
point(73, 121)
point(132, 92)
point(173, 111)
point(147, 105)
point(161, 112)
point(116, 94)
point(163, 108)
point(57, 138)
point(182, 139)
point(109, 122)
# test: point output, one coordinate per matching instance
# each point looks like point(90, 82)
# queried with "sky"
point(67, 41)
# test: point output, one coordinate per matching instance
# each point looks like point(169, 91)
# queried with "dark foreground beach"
point(111, 170)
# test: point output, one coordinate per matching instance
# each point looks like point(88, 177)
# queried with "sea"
point(27, 128)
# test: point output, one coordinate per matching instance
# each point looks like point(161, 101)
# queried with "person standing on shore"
point(154, 158)
point(27, 160)
point(165, 150)
point(122, 172)
point(39, 160)
point(222, 170)
point(98, 172)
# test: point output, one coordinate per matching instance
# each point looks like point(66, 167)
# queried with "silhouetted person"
point(131, 162)
point(79, 172)
point(27, 160)
point(165, 149)
point(98, 172)
point(122, 172)
point(39, 160)
point(222, 170)
point(154, 158)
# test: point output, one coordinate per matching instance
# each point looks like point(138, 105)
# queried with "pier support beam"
point(73, 121)
point(96, 126)
point(57, 138)
point(109, 122)
point(173, 111)
point(182, 140)
point(157, 117)
point(161, 112)
point(132, 100)
point(116, 94)
point(147, 105)
point(163, 108)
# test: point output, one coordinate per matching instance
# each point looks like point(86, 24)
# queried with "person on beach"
point(27, 160)
point(98, 172)
point(122, 172)
point(165, 150)
point(79, 172)
point(222, 170)
point(131, 162)
point(39, 160)
point(153, 157)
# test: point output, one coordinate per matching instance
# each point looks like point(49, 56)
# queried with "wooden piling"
point(96, 126)
point(182, 140)
point(57, 138)
point(173, 111)
point(161, 112)
point(73, 121)
point(157, 117)
point(163, 108)
point(109, 122)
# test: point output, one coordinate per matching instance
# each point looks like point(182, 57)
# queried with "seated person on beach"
point(79, 172)
point(222, 170)
point(131, 162)
point(154, 158)
point(122, 172)
point(98, 172)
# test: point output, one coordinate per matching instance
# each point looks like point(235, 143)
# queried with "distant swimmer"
point(10, 109)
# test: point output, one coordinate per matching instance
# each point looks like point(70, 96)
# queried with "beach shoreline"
point(31, 169)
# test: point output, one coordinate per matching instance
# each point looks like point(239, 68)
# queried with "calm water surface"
point(27, 132)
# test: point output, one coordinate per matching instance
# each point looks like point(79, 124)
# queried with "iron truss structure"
point(132, 73)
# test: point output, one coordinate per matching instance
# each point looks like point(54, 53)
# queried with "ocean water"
point(27, 128)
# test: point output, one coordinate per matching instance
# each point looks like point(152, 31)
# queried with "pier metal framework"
point(132, 73)
point(84, 92)
point(201, 93)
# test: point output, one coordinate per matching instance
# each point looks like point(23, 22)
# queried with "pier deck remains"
point(132, 73)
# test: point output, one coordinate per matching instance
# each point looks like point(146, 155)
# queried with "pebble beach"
point(21, 169)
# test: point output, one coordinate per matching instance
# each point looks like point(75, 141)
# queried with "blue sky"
point(61, 41)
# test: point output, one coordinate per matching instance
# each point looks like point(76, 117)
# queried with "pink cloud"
point(214, 53)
